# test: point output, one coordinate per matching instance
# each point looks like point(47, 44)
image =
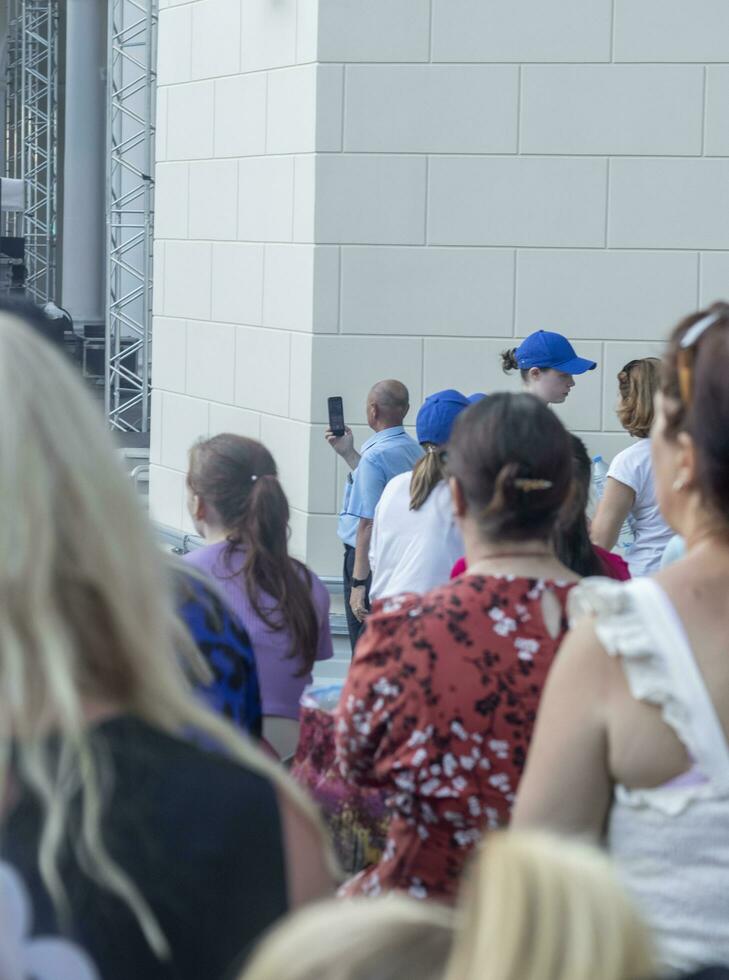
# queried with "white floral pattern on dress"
point(437, 711)
point(37, 958)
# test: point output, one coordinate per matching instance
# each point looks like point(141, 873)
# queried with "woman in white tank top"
point(631, 740)
point(415, 538)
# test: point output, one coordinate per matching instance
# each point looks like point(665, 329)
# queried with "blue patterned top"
point(224, 643)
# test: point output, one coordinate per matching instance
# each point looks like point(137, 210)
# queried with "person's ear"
point(197, 507)
point(534, 374)
point(459, 498)
point(686, 463)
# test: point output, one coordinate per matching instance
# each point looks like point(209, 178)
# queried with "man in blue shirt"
point(387, 453)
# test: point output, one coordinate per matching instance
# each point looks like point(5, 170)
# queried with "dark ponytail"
point(572, 536)
point(509, 363)
point(237, 478)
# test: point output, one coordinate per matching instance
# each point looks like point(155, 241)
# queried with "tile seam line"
point(505, 247)
point(457, 155)
point(442, 64)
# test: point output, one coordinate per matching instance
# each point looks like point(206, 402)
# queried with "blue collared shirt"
point(384, 455)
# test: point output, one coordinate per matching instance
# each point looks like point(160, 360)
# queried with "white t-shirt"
point(412, 550)
point(633, 467)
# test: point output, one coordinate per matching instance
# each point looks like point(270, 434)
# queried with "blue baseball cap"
point(476, 397)
point(437, 415)
point(544, 349)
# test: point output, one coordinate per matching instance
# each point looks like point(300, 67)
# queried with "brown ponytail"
point(237, 478)
point(509, 361)
point(427, 474)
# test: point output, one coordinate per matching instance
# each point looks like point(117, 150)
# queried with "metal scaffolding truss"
point(31, 135)
point(132, 56)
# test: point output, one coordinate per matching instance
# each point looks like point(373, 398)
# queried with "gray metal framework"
point(132, 60)
point(31, 135)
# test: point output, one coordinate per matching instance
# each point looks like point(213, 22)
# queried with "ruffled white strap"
point(636, 621)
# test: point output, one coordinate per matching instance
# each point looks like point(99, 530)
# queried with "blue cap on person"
point(437, 415)
point(544, 349)
point(476, 397)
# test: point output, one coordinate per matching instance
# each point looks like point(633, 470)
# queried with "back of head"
point(88, 613)
point(433, 425)
point(390, 938)
point(84, 605)
point(696, 399)
point(392, 400)
point(638, 383)
point(512, 458)
point(537, 907)
point(237, 479)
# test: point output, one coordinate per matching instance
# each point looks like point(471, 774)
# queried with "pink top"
point(615, 566)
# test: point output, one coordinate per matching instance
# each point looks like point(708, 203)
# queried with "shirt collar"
point(393, 430)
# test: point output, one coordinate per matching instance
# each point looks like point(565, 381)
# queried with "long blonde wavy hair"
point(538, 907)
point(86, 614)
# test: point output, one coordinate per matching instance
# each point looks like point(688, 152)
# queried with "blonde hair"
point(539, 907)
point(427, 474)
point(638, 383)
point(88, 613)
point(387, 938)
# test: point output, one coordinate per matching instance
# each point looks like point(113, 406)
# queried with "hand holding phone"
point(338, 435)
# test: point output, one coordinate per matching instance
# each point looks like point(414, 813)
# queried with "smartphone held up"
point(336, 415)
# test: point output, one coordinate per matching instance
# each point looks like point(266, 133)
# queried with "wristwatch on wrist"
point(357, 583)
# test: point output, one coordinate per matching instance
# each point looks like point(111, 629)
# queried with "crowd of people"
point(544, 720)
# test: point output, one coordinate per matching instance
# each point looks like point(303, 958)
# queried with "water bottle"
point(599, 476)
point(626, 535)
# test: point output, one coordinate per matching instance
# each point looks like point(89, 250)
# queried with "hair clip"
point(528, 485)
point(254, 478)
point(701, 326)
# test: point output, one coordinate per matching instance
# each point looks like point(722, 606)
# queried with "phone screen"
point(336, 415)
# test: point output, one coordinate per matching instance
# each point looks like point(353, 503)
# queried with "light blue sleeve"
point(368, 482)
point(675, 549)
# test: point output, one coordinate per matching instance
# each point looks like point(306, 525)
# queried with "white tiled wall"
point(355, 189)
point(237, 110)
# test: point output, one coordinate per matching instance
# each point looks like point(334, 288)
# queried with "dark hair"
point(237, 478)
point(500, 448)
point(509, 363)
point(638, 384)
point(706, 417)
point(572, 537)
point(34, 316)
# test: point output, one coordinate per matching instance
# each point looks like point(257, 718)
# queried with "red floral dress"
point(438, 710)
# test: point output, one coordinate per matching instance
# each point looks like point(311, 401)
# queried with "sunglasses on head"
point(687, 354)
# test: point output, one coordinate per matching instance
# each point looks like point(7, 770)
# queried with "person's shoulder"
point(636, 452)
point(319, 590)
point(397, 485)
point(406, 622)
point(411, 605)
point(190, 759)
point(205, 556)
